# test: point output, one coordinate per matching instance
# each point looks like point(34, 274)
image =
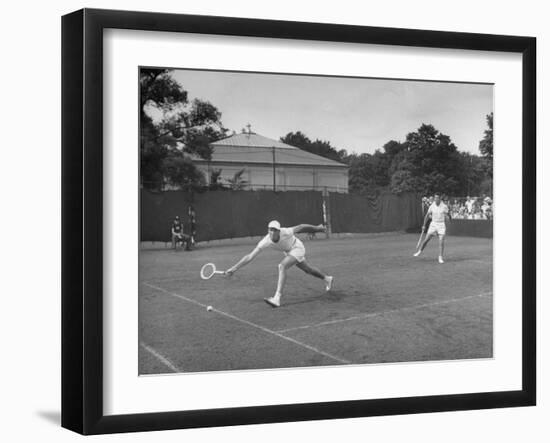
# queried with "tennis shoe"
point(328, 281)
point(274, 301)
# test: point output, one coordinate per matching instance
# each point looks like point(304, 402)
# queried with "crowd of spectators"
point(469, 208)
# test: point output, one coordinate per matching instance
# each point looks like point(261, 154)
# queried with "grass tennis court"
point(385, 306)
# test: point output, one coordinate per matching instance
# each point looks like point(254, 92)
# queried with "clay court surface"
point(385, 306)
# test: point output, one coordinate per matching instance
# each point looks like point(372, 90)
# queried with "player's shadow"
point(455, 259)
point(300, 302)
point(54, 417)
point(331, 297)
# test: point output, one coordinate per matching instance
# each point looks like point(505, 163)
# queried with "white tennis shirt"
point(287, 241)
point(438, 212)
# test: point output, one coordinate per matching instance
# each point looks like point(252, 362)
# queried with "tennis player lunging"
point(439, 214)
point(285, 240)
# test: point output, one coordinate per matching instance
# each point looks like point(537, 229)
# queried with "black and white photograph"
point(275, 221)
point(294, 221)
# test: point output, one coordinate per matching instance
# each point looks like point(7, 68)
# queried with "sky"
point(356, 114)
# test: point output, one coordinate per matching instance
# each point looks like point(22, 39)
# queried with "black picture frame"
point(82, 218)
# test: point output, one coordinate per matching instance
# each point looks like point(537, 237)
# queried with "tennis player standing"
point(438, 212)
point(285, 240)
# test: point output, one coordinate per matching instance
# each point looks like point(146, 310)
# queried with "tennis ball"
point(209, 308)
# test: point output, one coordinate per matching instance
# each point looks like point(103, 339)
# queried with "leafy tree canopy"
point(486, 144)
point(426, 162)
point(318, 147)
point(172, 126)
point(429, 162)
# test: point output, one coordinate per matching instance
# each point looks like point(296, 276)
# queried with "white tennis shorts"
point(298, 251)
point(437, 228)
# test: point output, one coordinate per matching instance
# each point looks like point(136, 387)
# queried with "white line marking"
point(374, 314)
point(162, 358)
point(254, 325)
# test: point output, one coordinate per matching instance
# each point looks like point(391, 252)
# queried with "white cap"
point(274, 224)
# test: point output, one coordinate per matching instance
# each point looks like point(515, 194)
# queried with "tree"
point(237, 182)
point(475, 175)
point(297, 139)
point(392, 148)
point(215, 180)
point(317, 147)
point(180, 172)
point(403, 180)
point(172, 127)
point(428, 162)
point(486, 144)
point(486, 149)
point(368, 172)
point(372, 172)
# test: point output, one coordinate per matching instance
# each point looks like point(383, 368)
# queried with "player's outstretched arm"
point(243, 261)
point(308, 228)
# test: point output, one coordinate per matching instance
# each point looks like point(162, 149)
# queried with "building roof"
point(255, 148)
point(251, 140)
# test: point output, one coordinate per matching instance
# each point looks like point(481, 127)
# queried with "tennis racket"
point(420, 239)
point(209, 270)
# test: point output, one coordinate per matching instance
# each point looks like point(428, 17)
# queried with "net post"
point(326, 212)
